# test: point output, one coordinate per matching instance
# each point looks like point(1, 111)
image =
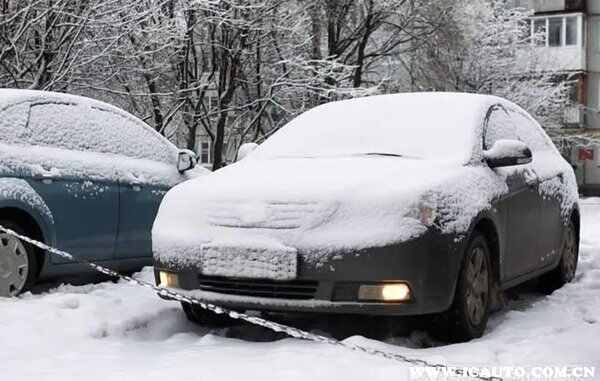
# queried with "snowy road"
point(117, 331)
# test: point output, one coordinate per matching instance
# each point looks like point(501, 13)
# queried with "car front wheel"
point(468, 316)
point(18, 263)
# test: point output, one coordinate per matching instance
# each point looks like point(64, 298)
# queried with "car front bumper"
point(428, 264)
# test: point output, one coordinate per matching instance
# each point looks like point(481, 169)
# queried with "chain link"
point(277, 327)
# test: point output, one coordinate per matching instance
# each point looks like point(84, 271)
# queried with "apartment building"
point(572, 44)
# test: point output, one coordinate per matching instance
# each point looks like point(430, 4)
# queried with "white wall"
point(593, 6)
point(592, 114)
point(569, 58)
point(594, 43)
point(548, 5)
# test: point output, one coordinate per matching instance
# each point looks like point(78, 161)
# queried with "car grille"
point(259, 287)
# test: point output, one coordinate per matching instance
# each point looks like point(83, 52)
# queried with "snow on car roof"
point(438, 125)
point(41, 129)
point(9, 97)
point(78, 123)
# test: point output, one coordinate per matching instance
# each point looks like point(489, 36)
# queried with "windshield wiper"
point(382, 154)
point(389, 154)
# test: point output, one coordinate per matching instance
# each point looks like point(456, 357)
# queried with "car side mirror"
point(506, 153)
point(245, 150)
point(186, 160)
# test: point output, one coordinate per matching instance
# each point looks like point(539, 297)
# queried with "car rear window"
point(13, 120)
point(89, 128)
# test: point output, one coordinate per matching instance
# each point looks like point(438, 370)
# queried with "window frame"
point(205, 149)
point(566, 29)
point(561, 31)
point(545, 20)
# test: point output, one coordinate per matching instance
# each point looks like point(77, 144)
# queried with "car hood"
point(309, 204)
point(315, 179)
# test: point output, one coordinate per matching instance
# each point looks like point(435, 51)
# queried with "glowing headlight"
point(391, 292)
point(168, 279)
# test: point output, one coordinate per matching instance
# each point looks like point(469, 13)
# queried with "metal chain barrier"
point(276, 327)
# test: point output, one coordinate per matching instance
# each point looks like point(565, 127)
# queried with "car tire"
point(200, 316)
point(468, 316)
point(567, 266)
point(18, 262)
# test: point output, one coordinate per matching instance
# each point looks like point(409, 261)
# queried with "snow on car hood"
point(317, 205)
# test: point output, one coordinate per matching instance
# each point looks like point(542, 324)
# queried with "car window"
point(530, 132)
point(84, 128)
point(498, 125)
point(57, 125)
point(127, 136)
point(13, 120)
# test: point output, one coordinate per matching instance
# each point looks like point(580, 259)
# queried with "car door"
point(139, 200)
point(521, 204)
point(549, 226)
point(147, 170)
point(78, 188)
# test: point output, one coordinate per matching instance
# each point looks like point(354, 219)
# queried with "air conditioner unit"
point(574, 116)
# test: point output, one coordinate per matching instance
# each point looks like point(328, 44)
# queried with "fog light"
point(392, 292)
point(168, 279)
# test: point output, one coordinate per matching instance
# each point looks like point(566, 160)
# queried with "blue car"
point(82, 176)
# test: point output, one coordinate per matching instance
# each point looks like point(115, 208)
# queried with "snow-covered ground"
point(118, 331)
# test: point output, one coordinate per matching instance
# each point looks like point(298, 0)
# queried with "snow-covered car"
point(405, 204)
point(82, 176)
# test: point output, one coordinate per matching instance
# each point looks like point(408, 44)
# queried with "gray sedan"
point(404, 204)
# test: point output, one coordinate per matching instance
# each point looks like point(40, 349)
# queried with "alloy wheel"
point(478, 285)
point(569, 254)
point(14, 265)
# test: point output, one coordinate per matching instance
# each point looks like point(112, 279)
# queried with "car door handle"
point(44, 179)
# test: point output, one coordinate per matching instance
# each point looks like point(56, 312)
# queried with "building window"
point(571, 31)
point(205, 153)
point(555, 31)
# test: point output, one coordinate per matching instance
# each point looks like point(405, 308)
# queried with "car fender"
point(17, 193)
point(495, 218)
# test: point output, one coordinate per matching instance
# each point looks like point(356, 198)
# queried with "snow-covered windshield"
point(438, 126)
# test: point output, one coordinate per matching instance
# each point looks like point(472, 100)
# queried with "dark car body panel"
point(86, 226)
point(428, 264)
